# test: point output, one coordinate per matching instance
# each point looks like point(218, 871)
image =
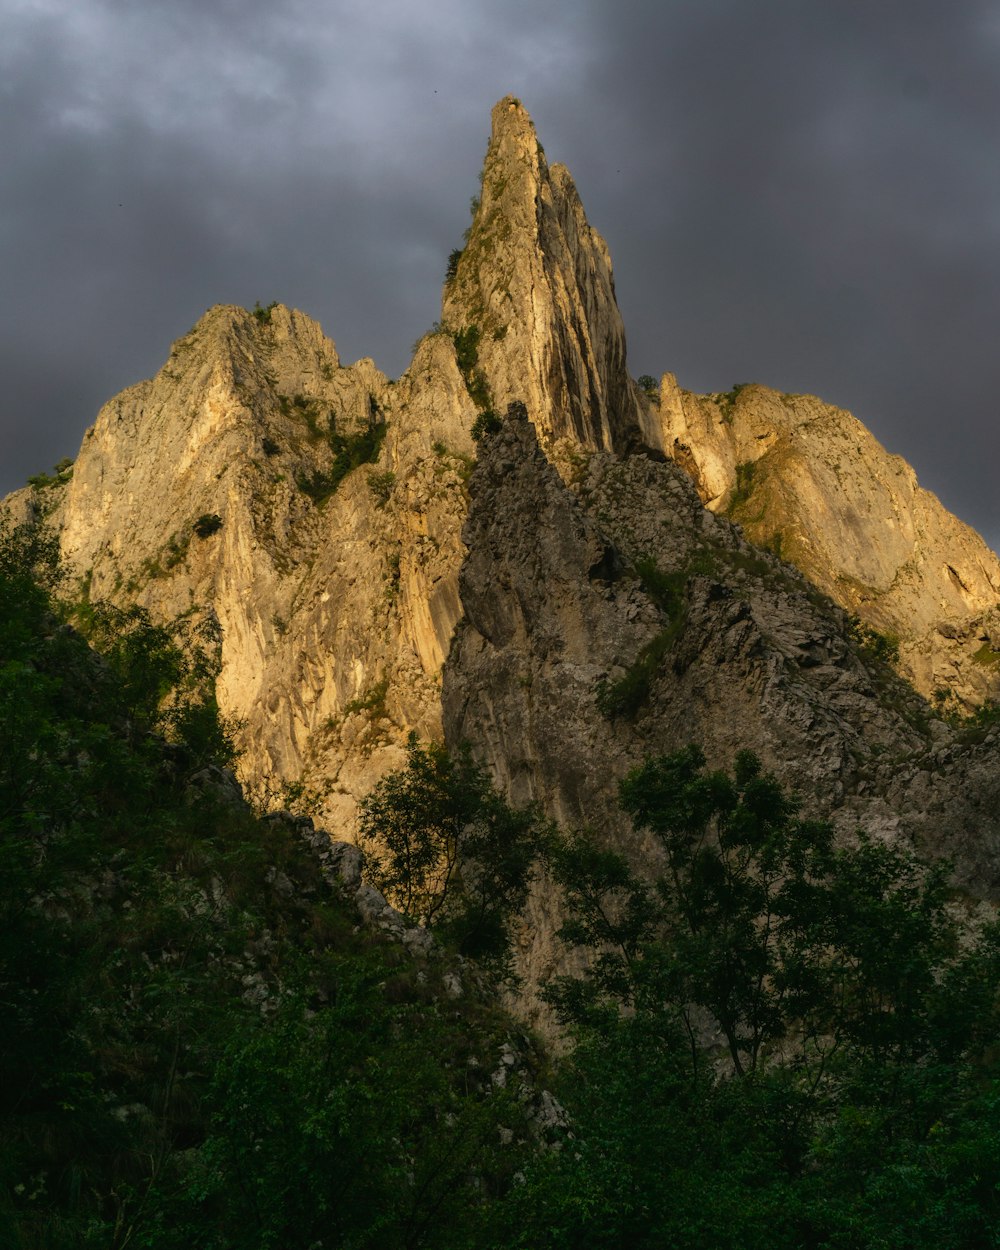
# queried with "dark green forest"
point(781, 1042)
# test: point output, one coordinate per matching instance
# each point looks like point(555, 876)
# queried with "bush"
point(60, 475)
point(263, 315)
point(453, 258)
point(448, 851)
point(207, 524)
point(350, 451)
point(875, 645)
point(467, 349)
point(381, 486)
point(727, 400)
point(485, 424)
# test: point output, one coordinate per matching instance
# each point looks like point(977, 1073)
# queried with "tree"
point(779, 1042)
point(447, 850)
point(763, 928)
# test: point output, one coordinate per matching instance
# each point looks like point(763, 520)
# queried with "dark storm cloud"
point(807, 195)
point(814, 201)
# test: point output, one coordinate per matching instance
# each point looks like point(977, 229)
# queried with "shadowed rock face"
point(557, 599)
point(808, 479)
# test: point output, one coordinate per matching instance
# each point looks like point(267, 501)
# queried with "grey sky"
point(799, 192)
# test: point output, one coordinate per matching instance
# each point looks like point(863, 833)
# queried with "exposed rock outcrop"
point(336, 606)
point(316, 512)
point(808, 479)
point(535, 282)
point(561, 599)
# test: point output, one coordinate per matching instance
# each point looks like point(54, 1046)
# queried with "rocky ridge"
point(316, 510)
point(534, 282)
point(808, 480)
point(622, 580)
point(336, 606)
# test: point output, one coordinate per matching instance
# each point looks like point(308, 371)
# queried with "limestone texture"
point(336, 613)
point(534, 281)
point(562, 596)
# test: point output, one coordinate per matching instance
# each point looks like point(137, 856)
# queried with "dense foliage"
point(197, 1048)
point(446, 849)
point(780, 1043)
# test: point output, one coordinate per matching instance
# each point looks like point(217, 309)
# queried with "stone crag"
point(563, 594)
point(569, 594)
point(808, 479)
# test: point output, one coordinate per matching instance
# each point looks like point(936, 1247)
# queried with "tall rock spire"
point(534, 283)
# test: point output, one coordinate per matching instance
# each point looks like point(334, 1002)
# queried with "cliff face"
point(336, 605)
point(534, 281)
point(613, 617)
point(809, 480)
point(593, 610)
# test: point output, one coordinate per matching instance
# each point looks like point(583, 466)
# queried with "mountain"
point(510, 546)
point(495, 603)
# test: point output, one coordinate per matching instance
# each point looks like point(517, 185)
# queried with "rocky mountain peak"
point(533, 292)
point(321, 515)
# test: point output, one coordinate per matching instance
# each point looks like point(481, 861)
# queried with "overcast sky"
point(804, 193)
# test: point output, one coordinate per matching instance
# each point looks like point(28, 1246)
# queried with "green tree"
point(859, 1103)
point(448, 851)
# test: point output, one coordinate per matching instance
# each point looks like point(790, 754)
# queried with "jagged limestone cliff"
point(316, 510)
point(534, 281)
point(336, 605)
point(808, 479)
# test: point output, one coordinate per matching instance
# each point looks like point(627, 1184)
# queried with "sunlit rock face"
point(336, 606)
point(535, 281)
point(807, 479)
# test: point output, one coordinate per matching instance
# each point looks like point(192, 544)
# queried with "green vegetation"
point(875, 645)
point(207, 524)
point(373, 701)
point(781, 1042)
point(446, 850)
point(307, 409)
point(726, 401)
point(263, 314)
point(851, 1099)
point(649, 384)
point(381, 486)
point(626, 695)
point(972, 726)
point(60, 475)
point(177, 549)
point(743, 489)
point(986, 656)
point(453, 258)
point(198, 1049)
point(466, 348)
point(485, 424)
point(350, 451)
point(467, 357)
